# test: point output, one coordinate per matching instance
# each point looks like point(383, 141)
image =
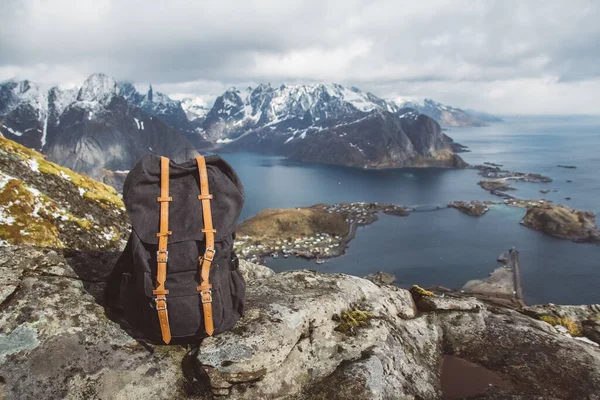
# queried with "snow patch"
point(16, 133)
point(33, 164)
point(65, 176)
point(81, 191)
point(137, 122)
point(356, 147)
point(224, 140)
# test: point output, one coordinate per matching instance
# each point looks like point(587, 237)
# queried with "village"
point(326, 241)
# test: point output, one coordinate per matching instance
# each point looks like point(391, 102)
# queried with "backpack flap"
point(142, 187)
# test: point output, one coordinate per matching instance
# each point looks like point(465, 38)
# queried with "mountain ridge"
point(98, 126)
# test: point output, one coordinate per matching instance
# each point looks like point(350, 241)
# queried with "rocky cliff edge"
point(305, 335)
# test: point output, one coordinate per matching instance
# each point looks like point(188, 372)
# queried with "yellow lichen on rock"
point(351, 320)
point(26, 216)
point(571, 325)
point(418, 292)
point(90, 189)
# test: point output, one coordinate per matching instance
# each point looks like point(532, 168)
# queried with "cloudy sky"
point(505, 57)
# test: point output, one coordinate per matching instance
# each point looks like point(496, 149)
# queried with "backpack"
point(178, 276)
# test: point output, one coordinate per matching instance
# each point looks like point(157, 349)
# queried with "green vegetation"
point(351, 320)
point(93, 190)
point(418, 292)
point(572, 326)
point(293, 223)
point(28, 216)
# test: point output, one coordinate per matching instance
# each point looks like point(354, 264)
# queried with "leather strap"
point(209, 252)
point(162, 255)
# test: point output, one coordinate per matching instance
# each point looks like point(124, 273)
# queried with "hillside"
point(44, 204)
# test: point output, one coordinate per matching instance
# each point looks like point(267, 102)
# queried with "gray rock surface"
point(305, 335)
point(381, 278)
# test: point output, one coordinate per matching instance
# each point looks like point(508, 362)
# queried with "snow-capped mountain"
point(296, 106)
point(327, 123)
point(447, 116)
point(163, 107)
point(23, 111)
point(195, 108)
point(106, 125)
point(92, 128)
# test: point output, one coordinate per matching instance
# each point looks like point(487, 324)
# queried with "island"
point(473, 208)
point(562, 222)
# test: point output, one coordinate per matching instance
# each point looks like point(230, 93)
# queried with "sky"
point(503, 57)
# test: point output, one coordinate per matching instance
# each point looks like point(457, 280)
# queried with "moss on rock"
point(351, 320)
point(418, 292)
point(44, 204)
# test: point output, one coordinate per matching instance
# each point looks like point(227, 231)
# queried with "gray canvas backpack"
point(178, 276)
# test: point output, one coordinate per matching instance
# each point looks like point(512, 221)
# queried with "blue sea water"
point(446, 247)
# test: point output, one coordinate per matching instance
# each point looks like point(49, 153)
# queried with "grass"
point(571, 325)
point(94, 190)
point(291, 222)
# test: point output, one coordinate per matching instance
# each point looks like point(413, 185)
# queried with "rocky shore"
point(319, 231)
point(304, 335)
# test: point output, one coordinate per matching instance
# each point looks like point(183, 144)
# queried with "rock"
point(582, 320)
point(562, 222)
point(536, 360)
point(361, 379)
point(545, 191)
point(436, 303)
point(566, 166)
point(381, 278)
point(253, 272)
point(57, 341)
point(473, 208)
point(288, 337)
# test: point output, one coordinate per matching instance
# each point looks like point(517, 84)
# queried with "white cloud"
point(501, 56)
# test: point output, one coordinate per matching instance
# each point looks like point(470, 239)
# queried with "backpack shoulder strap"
point(162, 255)
point(209, 252)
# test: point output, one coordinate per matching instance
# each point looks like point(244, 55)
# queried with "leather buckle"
point(209, 293)
point(156, 300)
point(212, 254)
point(165, 252)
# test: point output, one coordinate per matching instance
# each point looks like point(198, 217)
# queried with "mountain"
point(327, 123)
point(195, 109)
point(169, 111)
point(105, 126)
point(449, 116)
point(23, 112)
point(97, 127)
